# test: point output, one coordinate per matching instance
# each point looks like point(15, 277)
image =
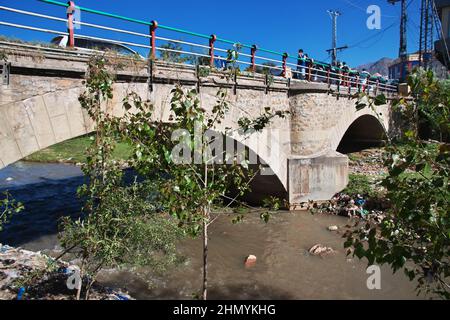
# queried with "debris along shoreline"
point(363, 195)
point(28, 275)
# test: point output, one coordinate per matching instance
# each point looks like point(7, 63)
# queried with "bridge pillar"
point(315, 170)
point(316, 178)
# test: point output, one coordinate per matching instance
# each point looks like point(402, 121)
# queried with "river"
point(284, 268)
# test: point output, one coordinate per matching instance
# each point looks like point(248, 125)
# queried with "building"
point(398, 70)
point(441, 46)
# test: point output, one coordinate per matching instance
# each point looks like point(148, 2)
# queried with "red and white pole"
point(153, 28)
point(285, 56)
point(70, 28)
point(252, 59)
point(212, 39)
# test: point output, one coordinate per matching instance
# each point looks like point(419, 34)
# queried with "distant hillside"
point(381, 66)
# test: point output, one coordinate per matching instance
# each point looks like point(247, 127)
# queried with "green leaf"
point(380, 100)
point(360, 106)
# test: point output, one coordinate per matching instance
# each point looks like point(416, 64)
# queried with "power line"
point(374, 35)
point(365, 10)
point(374, 43)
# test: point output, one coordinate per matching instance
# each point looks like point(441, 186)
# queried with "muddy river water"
point(284, 268)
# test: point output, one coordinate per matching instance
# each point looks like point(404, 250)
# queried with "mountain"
point(381, 66)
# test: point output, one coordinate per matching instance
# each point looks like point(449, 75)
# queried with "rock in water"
point(320, 250)
point(332, 228)
point(250, 261)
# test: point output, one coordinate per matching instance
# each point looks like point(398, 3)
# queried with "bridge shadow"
point(263, 186)
point(46, 202)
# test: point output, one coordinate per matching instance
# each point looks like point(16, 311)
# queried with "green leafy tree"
point(414, 234)
point(171, 53)
point(121, 225)
point(190, 172)
point(233, 57)
point(190, 183)
point(179, 175)
point(266, 69)
point(8, 207)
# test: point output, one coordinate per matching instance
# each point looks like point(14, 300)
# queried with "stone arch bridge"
point(39, 107)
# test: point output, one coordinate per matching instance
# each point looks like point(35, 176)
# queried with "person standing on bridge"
point(301, 62)
point(311, 68)
point(363, 77)
point(345, 73)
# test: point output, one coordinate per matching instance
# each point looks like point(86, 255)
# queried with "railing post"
point(309, 69)
point(349, 83)
point(376, 87)
point(153, 28)
point(328, 76)
point(70, 28)
point(285, 56)
point(339, 79)
point(252, 59)
point(212, 39)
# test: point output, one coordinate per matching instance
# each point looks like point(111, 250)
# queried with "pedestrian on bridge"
point(301, 63)
point(363, 77)
point(345, 73)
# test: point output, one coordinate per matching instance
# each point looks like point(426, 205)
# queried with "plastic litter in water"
point(4, 248)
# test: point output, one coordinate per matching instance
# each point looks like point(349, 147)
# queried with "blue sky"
point(283, 26)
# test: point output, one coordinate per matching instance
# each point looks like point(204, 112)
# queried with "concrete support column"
point(316, 178)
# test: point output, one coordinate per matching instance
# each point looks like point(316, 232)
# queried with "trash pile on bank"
point(344, 205)
point(28, 275)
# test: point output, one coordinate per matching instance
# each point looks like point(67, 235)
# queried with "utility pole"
point(403, 45)
point(334, 49)
point(402, 52)
point(426, 32)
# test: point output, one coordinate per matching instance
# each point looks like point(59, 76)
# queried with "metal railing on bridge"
point(201, 49)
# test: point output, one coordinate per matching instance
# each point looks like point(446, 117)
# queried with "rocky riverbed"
point(368, 162)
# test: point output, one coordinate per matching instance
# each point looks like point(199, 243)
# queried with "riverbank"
point(28, 275)
point(74, 151)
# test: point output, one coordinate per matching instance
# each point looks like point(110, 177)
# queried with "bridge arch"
point(360, 130)
point(267, 182)
point(365, 132)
